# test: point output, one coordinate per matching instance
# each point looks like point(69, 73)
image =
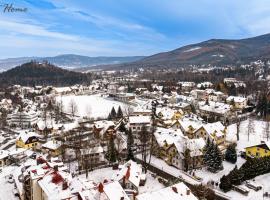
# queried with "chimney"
point(100, 188)
point(65, 185)
point(174, 189)
point(188, 191)
point(55, 168)
point(127, 173)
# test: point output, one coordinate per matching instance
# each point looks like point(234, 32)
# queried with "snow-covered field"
point(93, 106)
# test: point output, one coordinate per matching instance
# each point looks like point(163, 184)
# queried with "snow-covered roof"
point(236, 99)
point(178, 191)
point(103, 124)
point(52, 185)
point(24, 135)
point(108, 190)
point(52, 144)
point(190, 121)
point(3, 154)
point(216, 128)
point(135, 172)
point(215, 107)
point(169, 136)
point(140, 119)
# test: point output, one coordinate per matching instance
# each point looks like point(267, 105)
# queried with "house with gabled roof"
point(258, 151)
point(27, 140)
point(130, 176)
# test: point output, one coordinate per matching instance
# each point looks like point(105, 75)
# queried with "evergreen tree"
point(230, 154)
point(113, 113)
point(225, 183)
point(130, 142)
point(110, 116)
point(217, 157)
point(119, 112)
point(207, 149)
point(122, 127)
point(213, 158)
point(111, 154)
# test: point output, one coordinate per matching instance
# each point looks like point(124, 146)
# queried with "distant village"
point(123, 137)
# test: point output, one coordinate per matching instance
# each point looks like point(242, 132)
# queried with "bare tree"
point(144, 137)
point(267, 129)
point(3, 118)
point(238, 123)
point(73, 108)
point(250, 127)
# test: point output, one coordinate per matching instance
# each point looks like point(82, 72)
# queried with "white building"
point(239, 102)
point(137, 122)
point(23, 119)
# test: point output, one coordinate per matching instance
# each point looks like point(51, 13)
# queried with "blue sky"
point(125, 27)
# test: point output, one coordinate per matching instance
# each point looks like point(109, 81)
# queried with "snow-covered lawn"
point(6, 189)
point(93, 106)
point(257, 134)
point(100, 175)
point(262, 180)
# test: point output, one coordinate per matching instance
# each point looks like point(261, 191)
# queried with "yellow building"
point(178, 115)
point(27, 140)
point(258, 151)
point(52, 147)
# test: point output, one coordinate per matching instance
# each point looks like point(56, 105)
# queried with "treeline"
point(216, 75)
point(250, 169)
point(263, 106)
point(34, 73)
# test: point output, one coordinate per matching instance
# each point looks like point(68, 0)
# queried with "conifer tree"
point(213, 157)
point(113, 113)
point(207, 149)
point(111, 154)
point(225, 183)
point(119, 112)
point(130, 141)
point(230, 154)
point(109, 117)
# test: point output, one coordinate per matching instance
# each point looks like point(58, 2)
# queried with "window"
point(257, 154)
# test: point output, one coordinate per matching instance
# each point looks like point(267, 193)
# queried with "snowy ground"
point(7, 188)
point(257, 134)
point(100, 175)
point(92, 106)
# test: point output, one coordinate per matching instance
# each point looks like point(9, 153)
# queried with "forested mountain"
point(35, 73)
point(68, 61)
point(216, 52)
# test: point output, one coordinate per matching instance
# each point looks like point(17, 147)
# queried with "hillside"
point(215, 51)
point(34, 73)
point(68, 61)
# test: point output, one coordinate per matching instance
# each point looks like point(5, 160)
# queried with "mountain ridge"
point(69, 61)
point(35, 73)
